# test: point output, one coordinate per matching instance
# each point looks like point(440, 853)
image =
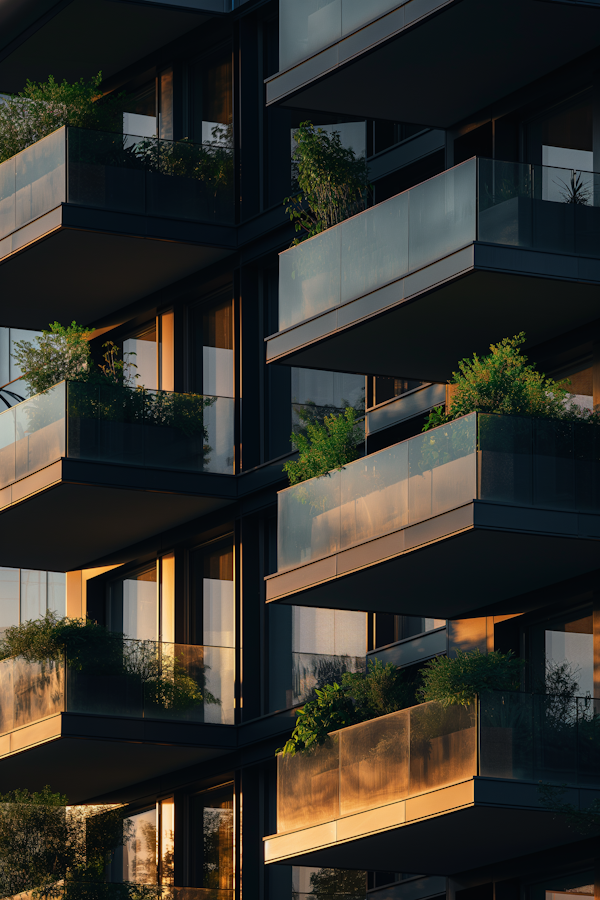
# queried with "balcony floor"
point(475, 822)
point(72, 513)
point(86, 756)
point(484, 554)
point(463, 303)
point(465, 40)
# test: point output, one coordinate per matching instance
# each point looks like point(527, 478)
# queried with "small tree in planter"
point(332, 182)
point(326, 446)
point(503, 383)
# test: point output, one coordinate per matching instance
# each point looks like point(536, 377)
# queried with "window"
point(382, 388)
point(142, 605)
point(150, 354)
point(562, 139)
point(325, 393)
point(212, 839)
point(212, 615)
point(310, 648)
point(211, 329)
point(150, 108)
point(29, 594)
point(211, 100)
point(9, 370)
point(562, 654)
point(580, 375)
point(389, 628)
point(148, 852)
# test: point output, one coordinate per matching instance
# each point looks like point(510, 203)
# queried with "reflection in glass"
point(139, 851)
point(212, 838)
point(320, 393)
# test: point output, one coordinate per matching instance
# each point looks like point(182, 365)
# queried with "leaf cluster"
point(503, 383)
point(332, 182)
point(358, 697)
point(44, 842)
point(326, 446)
point(43, 107)
point(458, 680)
point(92, 649)
point(346, 884)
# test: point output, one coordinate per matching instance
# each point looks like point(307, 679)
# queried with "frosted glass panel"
point(9, 597)
point(33, 594)
point(219, 613)
point(577, 651)
point(217, 371)
point(220, 681)
point(140, 608)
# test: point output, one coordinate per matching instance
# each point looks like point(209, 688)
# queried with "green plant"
point(60, 353)
point(43, 107)
point(43, 842)
point(324, 447)
point(457, 680)
point(94, 650)
point(504, 383)
point(332, 181)
point(356, 698)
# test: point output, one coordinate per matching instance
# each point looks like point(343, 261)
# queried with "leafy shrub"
point(458, 680)
point(43, 107)
point(92, 649)
point(43, 841)
point(59, 354)
point(332, 181)
point(326, 446)
point(357, 698)
point(504, 383)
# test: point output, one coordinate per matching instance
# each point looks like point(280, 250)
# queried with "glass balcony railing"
point(133, 679)
point(114, 424)
point(117, 172)
point(512, 204)
point(307, 27)
point(539, 463)
point(525, 737)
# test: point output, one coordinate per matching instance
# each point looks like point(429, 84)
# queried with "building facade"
point(480, 124)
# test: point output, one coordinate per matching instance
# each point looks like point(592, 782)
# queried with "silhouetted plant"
point(332, 181)
point(459, 679)
point(503, 383)
point(324, 447)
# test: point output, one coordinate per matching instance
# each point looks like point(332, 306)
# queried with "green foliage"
point(326, 446)
point(458, 680)
point(43, 841)
point(357, 698)
point(332, 181)
point(503, 383)
point(43, 107)
point(59, 354)
point(92, 649)
point(48, 638)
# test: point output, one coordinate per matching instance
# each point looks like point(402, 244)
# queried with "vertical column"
point(596, 629)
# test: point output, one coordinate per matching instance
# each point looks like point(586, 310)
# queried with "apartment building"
point(480, 123)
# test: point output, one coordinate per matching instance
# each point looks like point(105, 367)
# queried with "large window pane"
point(212, 839)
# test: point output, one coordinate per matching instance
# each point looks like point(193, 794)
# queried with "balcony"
point(491, 506)
point(340, 56)
point(122, 215)
point(482, 251)
point(464, 780)
point(116, 720)
point(86, 470)
point(38, 37)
